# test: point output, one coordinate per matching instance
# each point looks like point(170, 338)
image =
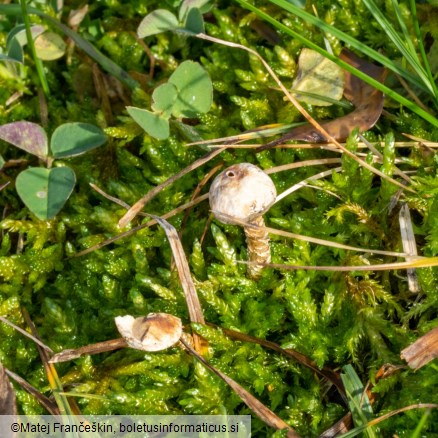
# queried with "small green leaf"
point(75, 138)
point(194, 22)
point(154, 124)
point(49, 46)
point(2, 162)
point(18, 34)
point(17, 39)
point(4, 57)
point(15, 51)
point(164, 97)
point(195, 90)
point(27, 136)
point(45, 191)
point(202, 5)
point(157, 21)
point(318, 75)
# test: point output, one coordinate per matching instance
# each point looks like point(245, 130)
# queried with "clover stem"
point(30, 43)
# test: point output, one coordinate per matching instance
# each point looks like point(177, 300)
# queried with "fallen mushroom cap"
point(242, 191)
point(154, 332)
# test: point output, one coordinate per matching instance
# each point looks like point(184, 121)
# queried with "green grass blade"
point(358, 401)
point(106, 63)
point(408, 40)
point(387, 91)
point(422, 50)
point(423, 420)
point(353, 42)
point(403, 46)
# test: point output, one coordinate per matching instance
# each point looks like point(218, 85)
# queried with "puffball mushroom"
point(244, 192)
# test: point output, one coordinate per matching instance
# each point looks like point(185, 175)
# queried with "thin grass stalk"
point(425, 262)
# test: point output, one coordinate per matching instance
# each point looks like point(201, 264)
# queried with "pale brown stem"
point(259, 250)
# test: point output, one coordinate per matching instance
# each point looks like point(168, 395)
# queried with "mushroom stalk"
point(259, 250)
point(244, 192)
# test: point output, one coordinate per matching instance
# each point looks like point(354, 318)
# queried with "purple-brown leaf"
point(27, 136)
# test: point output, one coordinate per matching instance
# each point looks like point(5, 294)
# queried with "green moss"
point(364, 318)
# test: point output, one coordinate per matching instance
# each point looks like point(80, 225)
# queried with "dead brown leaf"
point(422, 351)
point(368, 102)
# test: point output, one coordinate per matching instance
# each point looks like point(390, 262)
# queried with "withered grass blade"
point(399, 411)
point(182, 266)
point(325, 372)
point(64, 406)
point(262, 411)
point(304, 182)
point(409, 246)
point(8, 404)
point(340, 427)
point(424, 262)
point(48, 404)
point(259, 132)
point(196, 194)
point(138, 206)
point(356, 431)
point(27, 335)
point(99, 347)
point(4, 185)
point(422, 351)
point(140, 227)
point(306, 163)
point(321, 241)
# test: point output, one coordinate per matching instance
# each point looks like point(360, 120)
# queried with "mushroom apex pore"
point(242, 191)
